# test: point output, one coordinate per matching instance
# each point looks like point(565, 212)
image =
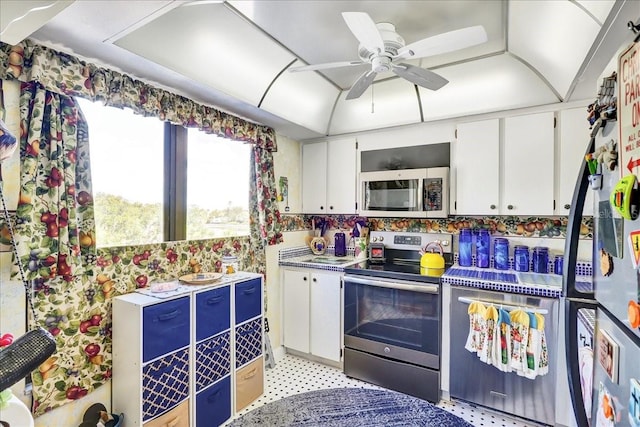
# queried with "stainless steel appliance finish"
point(477, 382)
point(419, 193)
point(392, 317)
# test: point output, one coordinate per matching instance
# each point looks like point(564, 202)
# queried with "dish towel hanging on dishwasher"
point(477, 327)
point(503, 342)
point(519, 339)
point(487, 353)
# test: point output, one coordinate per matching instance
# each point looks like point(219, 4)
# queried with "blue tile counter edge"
point(509, 281)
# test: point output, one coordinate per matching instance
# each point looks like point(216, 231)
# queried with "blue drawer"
point(213, 360)
point(165, 383)
point(213, 312)
point(248, 299)
point(166, 328)
point(213, 405)
point(248, 342)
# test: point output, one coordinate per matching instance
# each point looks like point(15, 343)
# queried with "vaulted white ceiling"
point(235, 55)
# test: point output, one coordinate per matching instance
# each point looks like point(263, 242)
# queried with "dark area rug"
point(349, 407)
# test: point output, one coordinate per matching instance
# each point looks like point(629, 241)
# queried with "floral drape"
point(70, 296)
point(54, 234)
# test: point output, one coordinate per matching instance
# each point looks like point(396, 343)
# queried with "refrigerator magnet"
point(608, 351)
point(606, 263)
point(634, 403)
point(634, 245)
point(608, 414)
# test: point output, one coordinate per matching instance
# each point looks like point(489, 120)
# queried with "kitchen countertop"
point(526, 283)
point(302, 257)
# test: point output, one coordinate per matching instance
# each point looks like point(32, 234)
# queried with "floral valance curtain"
point(62, 73)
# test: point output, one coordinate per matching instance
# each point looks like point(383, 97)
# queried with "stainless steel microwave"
point(414, 193)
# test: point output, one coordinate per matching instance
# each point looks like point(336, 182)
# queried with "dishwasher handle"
point(395, 284)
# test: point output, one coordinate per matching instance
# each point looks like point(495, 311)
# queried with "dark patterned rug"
point(349, 407)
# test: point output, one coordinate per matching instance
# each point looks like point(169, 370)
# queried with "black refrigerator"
point(605, 391)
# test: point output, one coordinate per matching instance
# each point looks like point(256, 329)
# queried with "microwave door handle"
point(421, 206)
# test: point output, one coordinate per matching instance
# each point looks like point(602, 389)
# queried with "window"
point(127, 166)
point(217, 186)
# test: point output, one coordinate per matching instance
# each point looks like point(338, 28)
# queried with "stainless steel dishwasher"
point(477, 382)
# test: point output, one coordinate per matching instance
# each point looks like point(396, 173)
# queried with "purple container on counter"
point(483, 248)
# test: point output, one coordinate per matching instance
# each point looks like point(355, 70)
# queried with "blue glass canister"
point(465, 246)
point(521, 258)
point(540, 259)
point(558, 262)
point(483, 248)
point(501, 253)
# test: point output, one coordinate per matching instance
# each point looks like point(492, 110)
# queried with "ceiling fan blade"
point(420, 76)
point(445, 42)
point(325, 66)
point(365, 30)
point(363, 82)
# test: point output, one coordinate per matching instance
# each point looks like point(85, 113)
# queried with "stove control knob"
point(381, 238)
point(387, 350)
point(445, 243)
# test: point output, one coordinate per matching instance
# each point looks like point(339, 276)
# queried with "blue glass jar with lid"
point(483, 248)
point(540, 259)
point(501, 253)
point(521, 258)
point(465, 247)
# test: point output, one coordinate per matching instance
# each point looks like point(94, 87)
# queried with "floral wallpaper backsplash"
point(549, 227)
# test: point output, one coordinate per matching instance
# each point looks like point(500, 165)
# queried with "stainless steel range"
point(392, 316)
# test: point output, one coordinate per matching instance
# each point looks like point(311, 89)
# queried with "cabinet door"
point(528, 165)
point(326, 313)
point(341, 176)
point(574, 136)
point(314, 178)
point(296, 310)
point(478, 167)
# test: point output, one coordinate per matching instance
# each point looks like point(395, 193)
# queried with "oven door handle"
point(396, 284)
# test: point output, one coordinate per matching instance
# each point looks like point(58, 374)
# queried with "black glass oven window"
point(402, 318)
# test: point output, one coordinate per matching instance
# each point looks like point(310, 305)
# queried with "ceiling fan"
point(383, 48)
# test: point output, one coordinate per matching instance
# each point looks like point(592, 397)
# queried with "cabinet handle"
point(213, 396)
point(304, 278)
point(567, 206)
point(214, 300)
point(315, 280)
point(173, 423)
point(492, 206)
point(321, 208)
point(249, 291)
point(330, 207)
point(510, 207)
point(168, 316)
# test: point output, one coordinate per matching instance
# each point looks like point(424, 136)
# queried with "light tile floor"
point(293, 375)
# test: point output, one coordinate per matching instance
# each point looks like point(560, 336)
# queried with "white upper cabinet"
point(477, 166)
point(329, 177)
point(528, 165)
point(574, 137)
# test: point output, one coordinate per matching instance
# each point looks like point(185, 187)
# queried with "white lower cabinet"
point(190, 359)
point(312, 312)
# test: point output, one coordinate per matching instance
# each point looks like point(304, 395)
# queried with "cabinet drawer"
point(177, 417)
point(165, 328)
point(249, 383)
point(213, 360)
point(213, 405)
point(248, 300)
point(212, 312)
point(248, 341)
point(165, 383)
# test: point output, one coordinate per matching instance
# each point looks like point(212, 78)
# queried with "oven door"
point(393, 319)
